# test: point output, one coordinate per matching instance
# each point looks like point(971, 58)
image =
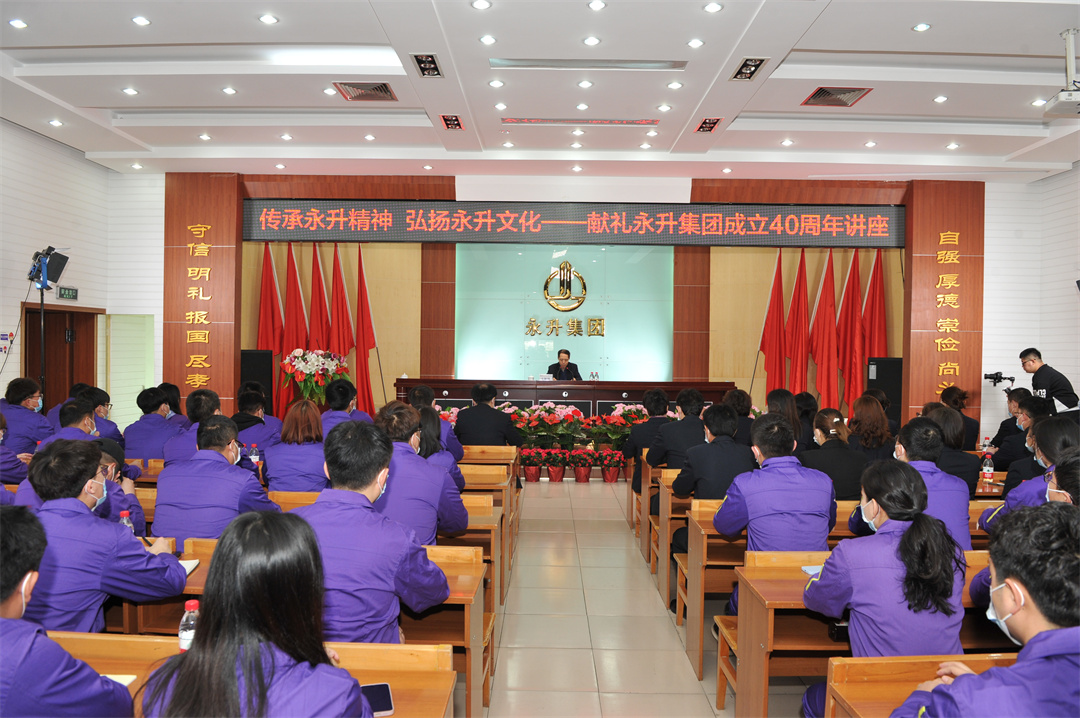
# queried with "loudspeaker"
point(258, 365)
point(887, 374)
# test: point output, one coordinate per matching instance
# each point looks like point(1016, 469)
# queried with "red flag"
point(849, 332)
point(342, 335)
point(823, 339)
point(270, 321)
point(873, 313)
point(320, 314)
point(772, 332)
point(797, 332)
point(295, 335)
point(365, 340)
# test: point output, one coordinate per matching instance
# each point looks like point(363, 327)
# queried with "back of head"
point(773, 435)
point(1037, 547)
point(94, 396)
point(421, 395)
point(782, 402)
point(930, 406)
point(1030, 353)
point(255, 386)
point(720, 420)
point(655, 402)
point(172, 394)
point(806, 405)
point(690, 401)
point(1054, 434)
point(356, 452)
point(921, 439)
point(74, 412)
point(881, 397)
point(339, 394)
point(483, 393)
point(1017, 395)
point(62, 468)
point(951, 424)
point(20, 389)
point(430, 431)
point(399, 420)
point(1036, 406)
point(201, 404)
point(22, 544)
point(1067, 473)
point(111, 452)
point(249, 402)
point(868, 420)
point(740, 401)
point(216, 433)
point(955, 397)
point(302, 423)
point(830, 422)
point(150, 399)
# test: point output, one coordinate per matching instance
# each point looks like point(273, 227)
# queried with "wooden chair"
point(649, 474)
point(979, 538)
point(478, 474)
point(712, 505)
point(135, 462)
point(660, 538)
point(147, 498)
point(13, 488)
point(394, 657)
point(840, 530)
point(154, 466)
point(478, 503)
point(289, 500)
point(197, 547)
point(631, 498)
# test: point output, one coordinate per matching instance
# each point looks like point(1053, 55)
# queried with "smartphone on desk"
point(379, 698)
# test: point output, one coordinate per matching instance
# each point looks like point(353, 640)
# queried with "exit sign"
point(67, 292)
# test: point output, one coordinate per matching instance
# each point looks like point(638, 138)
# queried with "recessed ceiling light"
point(582, 106)
point(726, 170)
point(651, 133)
point(136, 166)
point(591, 41)
point(576, 145)
point(584, 84)
point(597, 5)
point(280, 167)
point(578, 133)
point(500, 106)
point(1038, 103)
point(787, 143)
point(427, 167)
point(329, 91)
point(487, 40)
point(228, 90)
point(56, 123)
point(18, 24)
point(714, 7)
point(268, 19)
point(952, 146)
point(695, 43)
point(674, 85)
point(479, 5)
point(871, 143)
point(940, 98)
point(921, 27)
point(130, 91)
point(644, 145)
point(508, 144)
point(496, 83)
point(576, 168)
point(369, 138)
point(204, 137)
point(286, 137)
point(664, 108)
point(140, 21)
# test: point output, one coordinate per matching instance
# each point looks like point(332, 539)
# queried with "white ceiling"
point(991, 59)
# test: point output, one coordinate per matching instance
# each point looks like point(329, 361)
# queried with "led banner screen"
point(573, 223)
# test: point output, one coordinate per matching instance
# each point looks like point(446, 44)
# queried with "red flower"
point(300, 376)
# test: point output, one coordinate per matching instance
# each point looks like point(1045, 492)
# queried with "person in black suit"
point(956, 398)
point(671, 442)
point(641, 436)
point(807, 406)
point(1008, 427)
point(883, 399)
point(1017, 447)
point(564, 369)
point(741, 402)
point(482, 424)
point(870, 429)
point(953, 459)
point(835, 457)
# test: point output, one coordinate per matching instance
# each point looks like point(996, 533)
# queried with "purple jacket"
point(39, 678)
point(88, 559)
point(370, 563)
point(145, 439)
point(262, 436)
point(182, 446)
point(179, 420)
point(450, 441)
point(1042, 682)
point(332, 418)
point(12, 470)
point(1029, 493)
point(109, 509)
point(421, 496)
point(108, 429)
point(446, 460)
point(25, 428)
point(357, 415)
point(866, 575)
point(295, 467)
point(73, 433)
point(53, 415)
point(6, 497)
point(979, 590)
point(200, 497)
point(295, 689)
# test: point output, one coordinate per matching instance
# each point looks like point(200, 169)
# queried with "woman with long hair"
point(176, 415)
point(431, 447)
point(741, 402)
point(870, 429)
point(258, 648)
point(833, 456)
point(782, 402)
point(953, 460)
point(902, 585)
point(956, 398)
point(807, 406)
point(296, 463)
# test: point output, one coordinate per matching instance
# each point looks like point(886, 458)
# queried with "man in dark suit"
point(1015, 447)
point(482, 424)
point(564, 369)
point(671, 442)
point(641, 437)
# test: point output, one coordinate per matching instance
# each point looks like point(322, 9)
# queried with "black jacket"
point(843, 464)
point(1020, 471)
point(641, 437)
point(1051, 384)
point(1012, 449)
point(483, 425)
point(571, 372)
point(885, 451)
point(962, 465)
point(671, 442)
point(742, 434)
point(1005, 430)
point(710, 468)
point(971, 434)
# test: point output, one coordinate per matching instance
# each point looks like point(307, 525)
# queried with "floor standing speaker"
point(258, 365)
point(887, 374)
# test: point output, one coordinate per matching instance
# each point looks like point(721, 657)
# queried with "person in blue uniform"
point(421, 396)
point(642, 434)
point(835, 456)
point(783, 506)
point(296, 462)
point(341, 398)
point(12, 465)
point(201, 404)
point(431, 447)
point(53, 414)
point(77, 423)
point(37, 676)
point(21, 406)
point(175, 415)
point(145, 438)
point(101, 402)
point(262, 612)
point(1035, 601)
point(903, 586)
point(257, 430)
point(672, 441)
point(564, 369)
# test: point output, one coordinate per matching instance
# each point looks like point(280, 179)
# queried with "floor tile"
point(632, 705)
point(610, 557)
point(543, 704)
point(546, 577)
point(534, 510)
point(599, 527)
point(552, 502)
point(545, 669)
point(608, 540)
point(532, 631)
point(546, 525)
point(614, 513)
point(544, 539)
point(634, 633)
point(627, 577)
point(785, 705)
point(594, 502)
point(546, 556)
point(545, 489)
point(619, 602)
point(644, 671)
point(545, 601)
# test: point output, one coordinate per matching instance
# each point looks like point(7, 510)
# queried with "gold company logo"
point(566, 275)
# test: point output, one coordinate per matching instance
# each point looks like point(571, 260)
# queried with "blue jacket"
point(421, 496)
point(146, 437)
point(25, 428)
point(295, 467)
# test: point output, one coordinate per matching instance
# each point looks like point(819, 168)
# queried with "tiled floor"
point(585, 632)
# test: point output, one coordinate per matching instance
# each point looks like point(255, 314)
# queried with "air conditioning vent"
point(836, 96)
point(366, 91)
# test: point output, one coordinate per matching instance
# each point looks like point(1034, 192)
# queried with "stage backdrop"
point(610, 306)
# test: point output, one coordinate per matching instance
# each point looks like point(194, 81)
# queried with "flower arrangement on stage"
point(612, 429)
point(555, 457)
point(581, 458)
point(610, 459)
point(547, 424)
point(532, 457)
point(312, 370)
point(631, 413)
point(448, 414)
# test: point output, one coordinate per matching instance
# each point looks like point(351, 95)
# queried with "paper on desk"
point(189, 565)
point(812, 570)
point(123, 679)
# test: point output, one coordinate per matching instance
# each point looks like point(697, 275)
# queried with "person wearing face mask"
point(953, 459)
point(37, 676)
point(1015, 448)
point(296, 463)
point(419, 495)
point(341, 398)
point(145, 438)
point(372, 564)
point(199, 497)
point(101, 402)
point(89, 559)
point(835, 456)
point(21, 406)
point(1026, 468)
point(175, 414)
point(12, 465)
point(77, 422)
point(1035, 600)
point(200, 404)
point(1007, 428)
point(903, 585)
point(53, 414)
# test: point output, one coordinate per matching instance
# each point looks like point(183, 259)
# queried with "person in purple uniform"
point(199, 497)
point(201, 404)
point(262, 612)
point(12, 465)
point(418, 495)
point(37, 676)
point(431, 447)
point(421, 396)
point(341, 398)
point(102, 403)
point(21, 407)
point(175, 416)
point(372, 564)
point(903, 586)
point(919, 444)
point(145, 439)
point(783, 506)
point(1035, 601)
point(296, 464)
point(77, 422)
point(54, 413)
point(89, 559)
point(271, 421)
point(255, 427)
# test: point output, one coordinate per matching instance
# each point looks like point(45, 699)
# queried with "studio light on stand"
point(48, 264)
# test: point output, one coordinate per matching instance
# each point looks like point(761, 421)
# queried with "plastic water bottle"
point(187, 624)
point(125, 520)
point(986, 473)
point(986, 443)
point(254, 454)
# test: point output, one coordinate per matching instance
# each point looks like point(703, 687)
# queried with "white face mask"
point(39, 404)
point(236, 459)
point(991, 613)
point(22, 594)
point(862, 511)
point(895, 456)
point(383, 490)
point(104, 493)
point(1056, 491)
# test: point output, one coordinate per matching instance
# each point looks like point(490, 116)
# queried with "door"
point(70, 349)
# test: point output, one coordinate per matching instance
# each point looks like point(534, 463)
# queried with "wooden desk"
point(485, 531)
point(503, 493)
point(673, 510)
point(710, 568)
point(650, 475)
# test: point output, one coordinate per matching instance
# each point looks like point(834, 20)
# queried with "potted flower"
point(531, 461)
point(555, 461)
point(312, 370)
point(611, 463)
point(582, 460)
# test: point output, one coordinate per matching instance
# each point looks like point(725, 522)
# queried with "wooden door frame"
point(64, 308)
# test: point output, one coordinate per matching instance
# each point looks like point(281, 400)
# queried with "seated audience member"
point(740, 401)
point(372, 564)
point(341, 398)
point(272, 421)
point(12, 465)
point(953, 460)
point(261, 616)
point(175, 416)
point(869, 429)
point(1026, 468)
point(956, 398)
point(903, 586)
point(1035, 601)
point(77, 422)
point(883, 399)
point(782, 402)
point(252, 422)
point(431, 448)
point(920, 444)
point(783, 506)
point(674, 438)
point(807, 406)
point(1014, 448)
point(296, 463)
point(54, 413)
point(201, 404)
point(101, 403)
point(1008, 427)
point(145, 439)
point(711, 467)
point(482, 424)
point(21, 407)
point(564, 369)
point(835, 456)
point(642, 434)
point(88, 559)
point(417, 494)
point(37, 676)
point(199, 497)
point(421, 396)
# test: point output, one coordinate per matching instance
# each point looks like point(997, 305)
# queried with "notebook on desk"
point(189, 564)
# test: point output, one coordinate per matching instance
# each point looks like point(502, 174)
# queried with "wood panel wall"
point(690, 308)
point(438, 267)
